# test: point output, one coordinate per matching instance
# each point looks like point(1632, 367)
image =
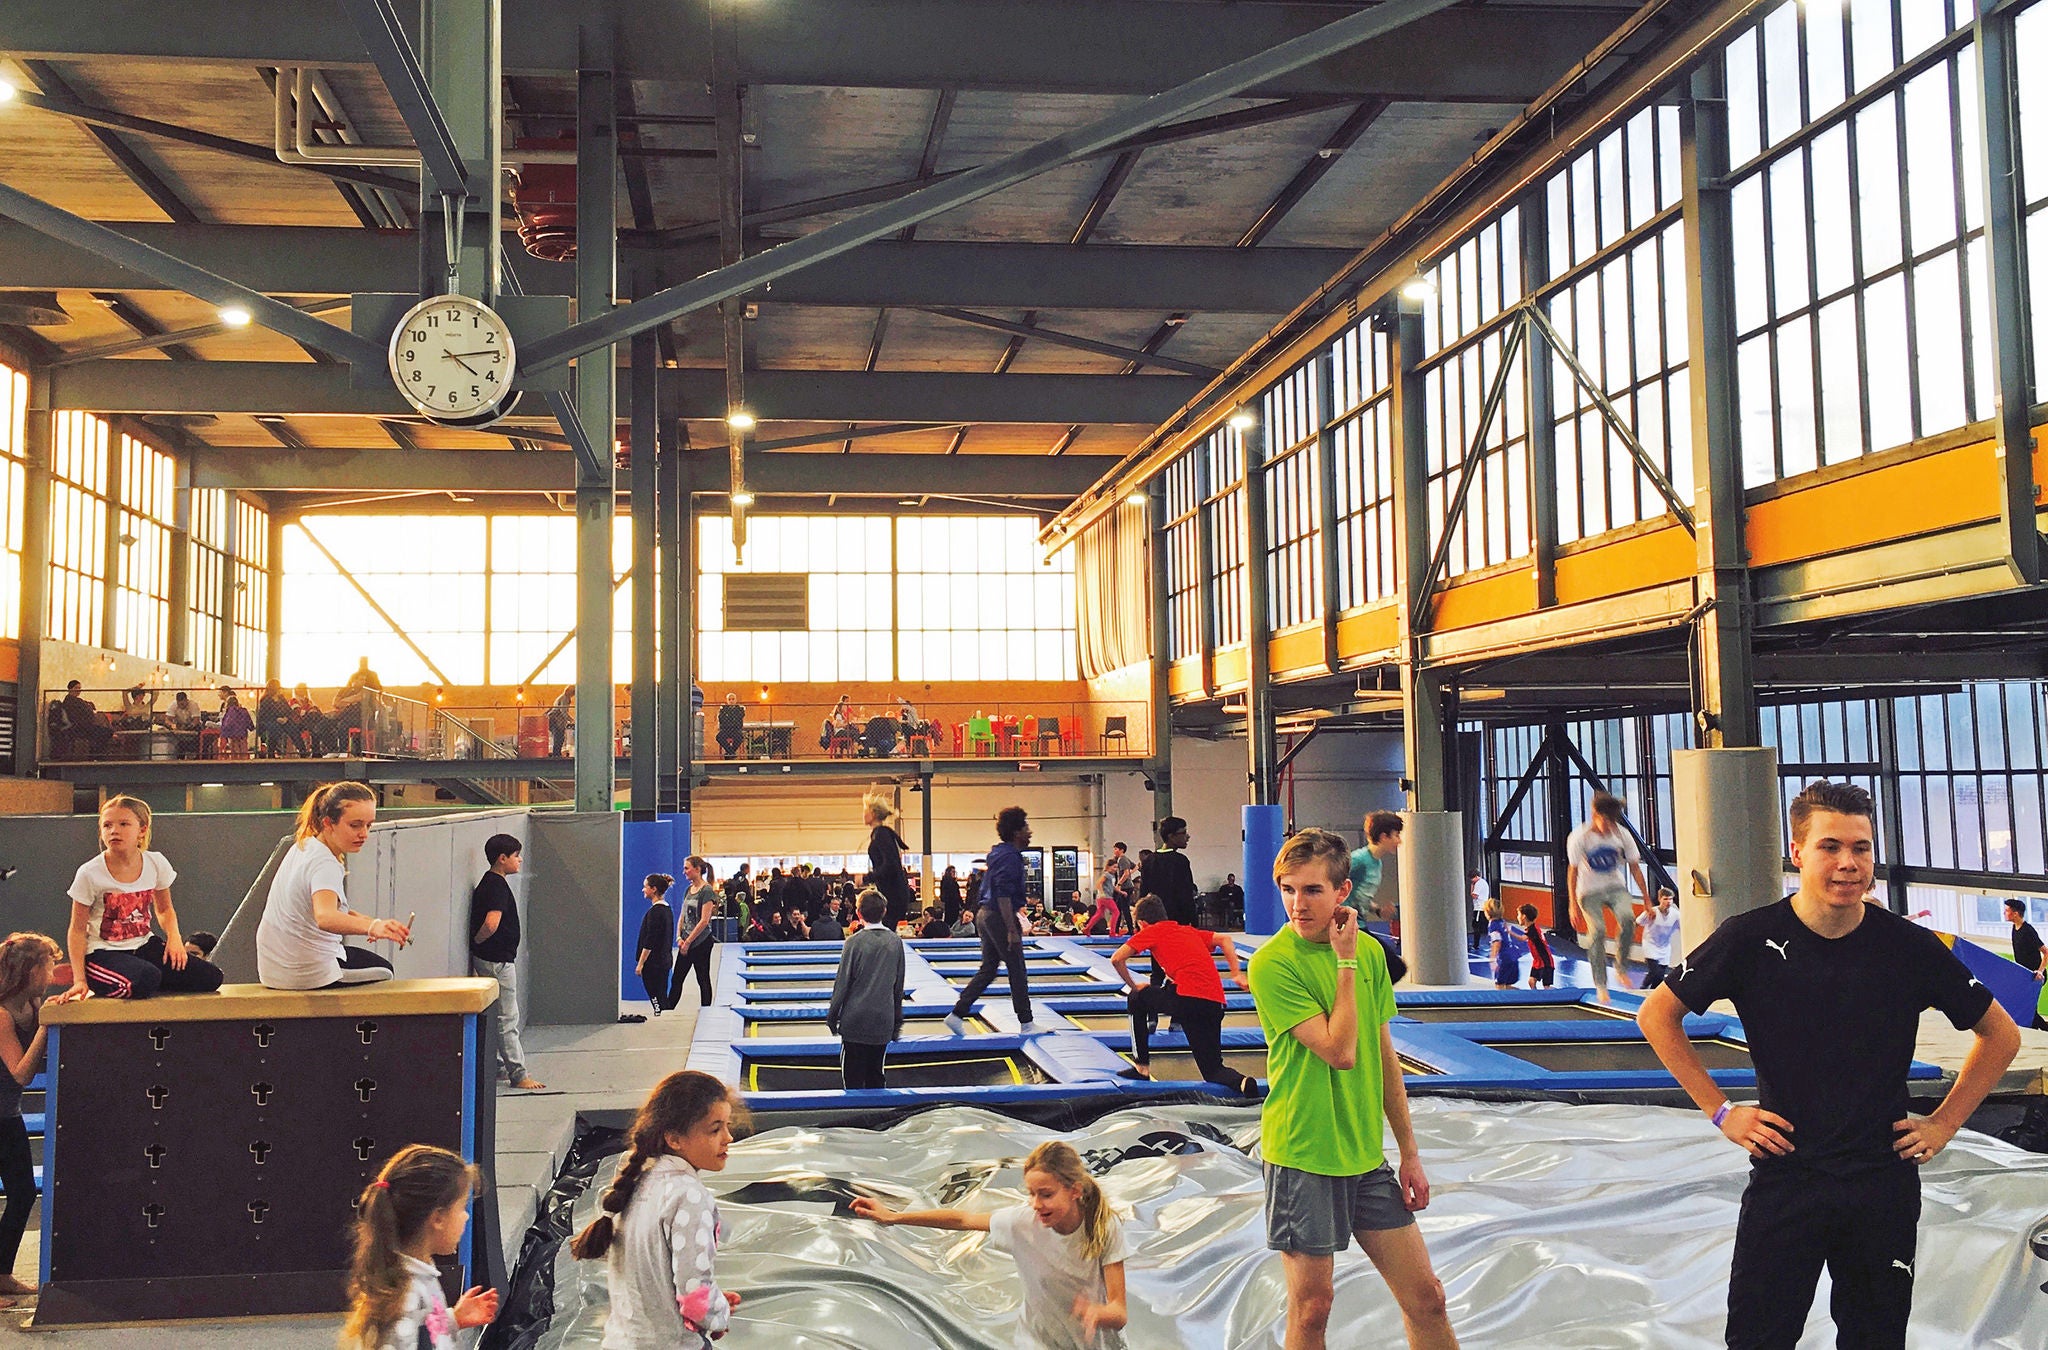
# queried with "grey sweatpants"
point(511, 1054)
point(1596, 906)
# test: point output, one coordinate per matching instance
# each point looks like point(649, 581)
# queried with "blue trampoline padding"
point(784, 976)
point(1717, 1025)
point(753, 949)
point(1440, 998)
point(799, 959)
point(1046, 992)
point(746, 1015)
point(2009, 982)
point(962, 969)
point(1233, 1038)
point(1232, 1002)
point(1456, 1057)
point(784, 995)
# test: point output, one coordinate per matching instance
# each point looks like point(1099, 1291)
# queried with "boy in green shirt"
point(1324, 1000)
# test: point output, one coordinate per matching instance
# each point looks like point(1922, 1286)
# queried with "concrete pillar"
point(1730, 844)
point(1262, 752)
point(596, 291)
point(1160, 768)
point(646, 715)
point(1432, 896)
point(178, 626)
point(273, 612)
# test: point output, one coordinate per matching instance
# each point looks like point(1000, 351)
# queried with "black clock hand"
point(456, 357)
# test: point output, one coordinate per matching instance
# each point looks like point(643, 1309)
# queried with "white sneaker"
point(955, 1025)
point(1030, 1029)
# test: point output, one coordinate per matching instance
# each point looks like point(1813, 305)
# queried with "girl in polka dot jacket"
point(661, 1244)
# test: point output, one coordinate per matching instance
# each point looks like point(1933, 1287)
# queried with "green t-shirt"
point(2041, 1005)
point(1319, 1119)
point(1365, 880)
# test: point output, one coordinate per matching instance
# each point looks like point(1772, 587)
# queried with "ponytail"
point(419, 1182)
point(1059, 1161)
point(325, 806)
point(677, 1103)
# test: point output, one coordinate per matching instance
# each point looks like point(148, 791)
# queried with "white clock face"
point(452, 357)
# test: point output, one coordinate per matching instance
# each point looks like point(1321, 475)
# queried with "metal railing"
point(215, 723)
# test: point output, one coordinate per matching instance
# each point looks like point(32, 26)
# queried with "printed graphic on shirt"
point(1603, 858)
point(124, 915)
point(1779, 948)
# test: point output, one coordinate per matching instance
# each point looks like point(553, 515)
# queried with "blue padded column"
point(1264, 830)
point(645, 846)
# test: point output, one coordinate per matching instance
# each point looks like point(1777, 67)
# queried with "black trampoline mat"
point(1510, 1012)
point(1617, 1056)
point(1178, 1066)
point(814, 1029)
point(961, 1069)
point(1114, 1021)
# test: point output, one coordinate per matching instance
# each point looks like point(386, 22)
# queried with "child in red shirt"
point(1190, 991)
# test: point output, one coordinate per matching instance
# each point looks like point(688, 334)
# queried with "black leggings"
point(698, 958)
point(1198, 1019)
point(996, 951)
point(654, 979)
point(360, 965)
point(18, 1174)
point(143, 972)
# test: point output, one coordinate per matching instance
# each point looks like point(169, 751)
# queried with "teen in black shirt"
point(1830, 992)
point(2026, 939)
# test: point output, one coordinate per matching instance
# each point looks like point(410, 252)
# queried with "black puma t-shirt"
point(1831, 1022)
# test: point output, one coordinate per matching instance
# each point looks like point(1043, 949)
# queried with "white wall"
point(1336, 781)
point(427, 868)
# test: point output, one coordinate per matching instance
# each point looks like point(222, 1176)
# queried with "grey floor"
point(585, 1068)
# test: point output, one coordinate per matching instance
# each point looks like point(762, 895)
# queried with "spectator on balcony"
point(77, 718)
point(732, 725)
point(138, 708)
point(235, 726)
point(560, 719)
point(276, 724)
point(363, 679)
point(186, 719)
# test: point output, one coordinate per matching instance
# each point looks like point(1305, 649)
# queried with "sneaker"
point(955, 1025)
point(1030, 1029)
point(657, 1012)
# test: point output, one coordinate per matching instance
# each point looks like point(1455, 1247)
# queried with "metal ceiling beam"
point(140, 172)
point(1500, 53)
point(304, 389)
point(481, 471)
point(324, 260)
point(181, 275)
point(1078, 343)
point(107, 118)
point(391, 51)
point(1325, 159)
point(729, 282)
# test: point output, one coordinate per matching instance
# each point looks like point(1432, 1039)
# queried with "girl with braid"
point(664, 1237)
point(413, 1212)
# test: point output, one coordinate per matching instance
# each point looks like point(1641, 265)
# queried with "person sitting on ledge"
point(113, 952)
point(299, 942)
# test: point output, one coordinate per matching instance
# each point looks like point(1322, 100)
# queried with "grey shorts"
point(1315, 1215)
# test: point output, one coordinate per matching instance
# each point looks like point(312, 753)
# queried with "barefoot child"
point(665, 1235)
point(1190, 992)
point(113, 952)
point(413, 1212)
point(299, 939)
point(1069, 1249)
point(866, 1011)
point(1542, 963)
point(1324, 1000)
point(28, 965)
point(1503, 951)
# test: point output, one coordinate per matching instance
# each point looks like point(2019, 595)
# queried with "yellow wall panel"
point(1625, 565)
point(1476, 602)
point(1298, 650)
point(1895, 501)
point(1372, 630)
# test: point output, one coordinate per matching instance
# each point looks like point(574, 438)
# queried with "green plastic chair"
point(980, 730)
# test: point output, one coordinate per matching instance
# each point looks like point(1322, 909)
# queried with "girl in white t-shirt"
point(299, 942)
point(1069, 1249)
point(113, 951)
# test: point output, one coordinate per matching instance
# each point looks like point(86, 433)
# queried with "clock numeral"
point(430, 391)
point(410, 357)
point(475, 392)
point(433, 320)
point(419, 335)
point(491, 376)
point(417, 375)
point(490, 339)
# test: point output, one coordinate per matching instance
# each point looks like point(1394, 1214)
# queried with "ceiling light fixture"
point(739, 419)
point(742, 498)
point(7, 91)
point(1244, 419)
point(236, 316)
point(1418, 287)
point(1136, 499)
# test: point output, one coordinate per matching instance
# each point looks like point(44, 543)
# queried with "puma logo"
point(1679, 971)
point(1979, 984)
point(1779, 947)
point(1906, 1266)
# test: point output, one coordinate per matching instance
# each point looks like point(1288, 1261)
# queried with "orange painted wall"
point(1625, 565)
point(10, 661)
point(1232, 665)
point(1894, 501)
point(1504, 596)
point(1299, 650)
point(1371, 630)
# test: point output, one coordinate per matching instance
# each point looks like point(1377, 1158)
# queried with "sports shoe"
point(955, 1025)
point(1029, 1029)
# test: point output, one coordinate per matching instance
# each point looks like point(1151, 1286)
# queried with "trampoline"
point(951, 1068)
point(1071, 976)
point(1178, 1066)
point(1618, 1056)
point(780, 972)
point(1514, 1012)
point(1116, 1021)
point(785, 989)
point(814, 1029)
